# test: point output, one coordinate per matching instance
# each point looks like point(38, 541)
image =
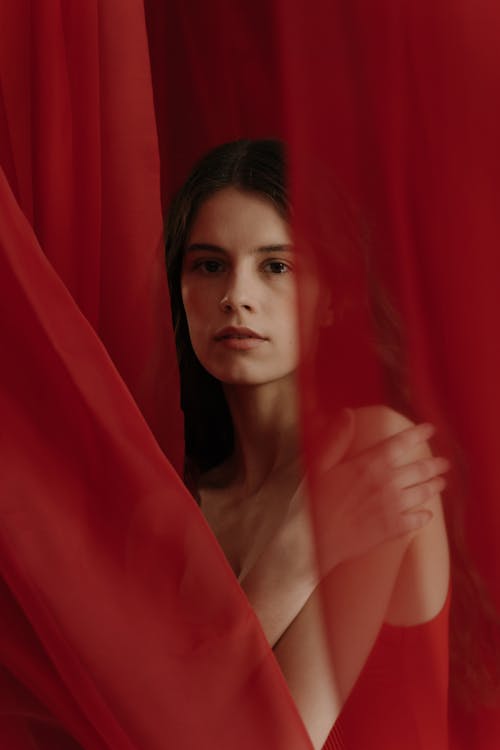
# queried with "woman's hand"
point(359, 502)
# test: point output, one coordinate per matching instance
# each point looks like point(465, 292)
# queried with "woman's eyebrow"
point(281, 248)
point(197, 246)
point(204, 246)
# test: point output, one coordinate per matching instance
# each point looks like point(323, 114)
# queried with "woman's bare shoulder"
point(374, 423)
point(425, 567)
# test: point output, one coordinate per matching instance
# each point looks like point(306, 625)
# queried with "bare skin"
point(238, 271)
point(365, 591)
point(245, 498)
point(403, 581)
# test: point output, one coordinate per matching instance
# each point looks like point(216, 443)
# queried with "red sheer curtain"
point(122, 624)
point(399, 102)
point(397, 106)
point(80, 153)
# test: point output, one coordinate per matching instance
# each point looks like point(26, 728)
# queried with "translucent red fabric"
point(122, 625)
point(401, 694)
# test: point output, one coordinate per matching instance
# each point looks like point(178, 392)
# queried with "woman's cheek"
point(193, 303)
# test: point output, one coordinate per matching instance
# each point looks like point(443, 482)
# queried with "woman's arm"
point(321, 667)
point(285, 575)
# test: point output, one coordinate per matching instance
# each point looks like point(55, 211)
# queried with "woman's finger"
point(392, 452)
point(414, 497)
point(419, 471)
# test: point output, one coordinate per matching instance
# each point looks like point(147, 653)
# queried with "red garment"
point(401, 696)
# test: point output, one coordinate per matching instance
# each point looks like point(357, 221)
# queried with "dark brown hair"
point(254, 166)
point(259, 166)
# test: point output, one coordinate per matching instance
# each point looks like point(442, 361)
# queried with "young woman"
point(233, 274)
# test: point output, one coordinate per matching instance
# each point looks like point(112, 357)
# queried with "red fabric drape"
point(120, 616)
point(398, 105)
point(122, 624)
point(405, 114)
point(80, 153)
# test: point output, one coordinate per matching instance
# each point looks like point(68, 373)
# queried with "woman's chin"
point(239, 377)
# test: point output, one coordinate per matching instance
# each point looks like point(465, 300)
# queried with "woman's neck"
point(266, 430)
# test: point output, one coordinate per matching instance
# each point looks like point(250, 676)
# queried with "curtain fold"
point(397, 104)
point(122, 624)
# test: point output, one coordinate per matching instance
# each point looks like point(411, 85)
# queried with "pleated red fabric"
point(405, 678)
point(122, 625)
point(403, 120)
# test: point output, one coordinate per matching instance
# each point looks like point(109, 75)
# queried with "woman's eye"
point(277, 267)
point(208, 266)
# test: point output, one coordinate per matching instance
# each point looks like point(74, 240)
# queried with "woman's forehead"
point(234, 219)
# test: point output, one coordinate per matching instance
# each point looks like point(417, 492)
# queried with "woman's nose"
point(237, 295)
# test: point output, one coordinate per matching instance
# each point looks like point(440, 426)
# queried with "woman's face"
point(238, 289)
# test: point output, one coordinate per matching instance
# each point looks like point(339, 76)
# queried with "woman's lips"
point(238, 338)
point(239, 342)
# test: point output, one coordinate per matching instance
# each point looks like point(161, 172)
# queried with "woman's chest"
point(242, 529)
